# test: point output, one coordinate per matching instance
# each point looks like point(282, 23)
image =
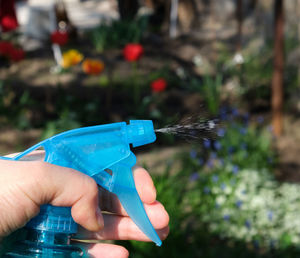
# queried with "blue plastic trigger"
point(124, 188)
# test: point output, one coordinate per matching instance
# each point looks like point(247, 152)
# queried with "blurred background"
point(234, 193)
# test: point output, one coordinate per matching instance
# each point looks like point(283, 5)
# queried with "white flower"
point(238, 59)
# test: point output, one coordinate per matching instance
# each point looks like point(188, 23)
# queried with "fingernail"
point(99, 218)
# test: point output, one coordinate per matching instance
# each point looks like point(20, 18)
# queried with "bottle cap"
point(54, 219)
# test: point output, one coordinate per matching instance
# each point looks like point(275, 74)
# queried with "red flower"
point(59, 37)
point(17, 54)
point(6, 48)
point(133, 52)
point(8, 19)
point(159, 85)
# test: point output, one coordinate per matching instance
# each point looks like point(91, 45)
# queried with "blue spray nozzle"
point(93, 150)
point(140, 132)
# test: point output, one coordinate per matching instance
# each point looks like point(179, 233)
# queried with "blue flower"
point(223, 186)
point(248, 224)
point(244, 192)
point(260, 119)
point(243, 130)
point(206, 143)
point(270, 215)
point(235, 169)
point(193, 154)
point(243, 146)
point(222, 162)
point(206, 190)
point(235, 112)
point(226, 217)
point(246, 117)
point(215, 178)
point(223, 113)
point(200, 161)
point(239, 203)
point(210, 163)
point(213, 155)
point(221, 132)
point(194, 176)
point(217, 145)
point(230, 149)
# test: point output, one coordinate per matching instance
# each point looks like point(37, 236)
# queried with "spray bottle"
point(102, 152)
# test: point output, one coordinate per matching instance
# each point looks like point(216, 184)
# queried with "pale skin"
point(25, 185)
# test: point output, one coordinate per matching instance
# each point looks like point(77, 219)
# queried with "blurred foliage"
point(14, 108)
point(210, 90)
point(254, 68)
point(118, 33)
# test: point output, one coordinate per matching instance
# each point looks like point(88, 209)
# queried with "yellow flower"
point(91, 66)
point(71, 57)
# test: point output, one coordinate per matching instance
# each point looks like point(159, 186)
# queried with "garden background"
point(231, 193)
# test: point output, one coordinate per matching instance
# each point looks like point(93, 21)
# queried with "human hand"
point(25, 185)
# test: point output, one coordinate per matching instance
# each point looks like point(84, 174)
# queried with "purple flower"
point(213, 155)
point(221, 161)
point(248, 224)
point(226, 217)
point(246, 117)
point(206, 143)
point(221, 132)
point(243, 131)
point(235, 169)
point(206, 190)
point(230, 149)
point(270, 215)
point(217, 145)
point(223, 186)
point(239, 203)
point(210, 163)
point(215, 178)
point(194, 176)
point(243, 146)
point(260, 119)
point(223, 113)
point(235, 112)
point(193, 154)
point(200, 161)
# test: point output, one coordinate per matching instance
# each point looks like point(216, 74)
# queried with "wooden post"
point(277, 79)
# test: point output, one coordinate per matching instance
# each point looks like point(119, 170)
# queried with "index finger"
point(145, 188)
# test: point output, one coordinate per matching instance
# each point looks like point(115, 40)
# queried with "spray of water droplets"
point(201, 129)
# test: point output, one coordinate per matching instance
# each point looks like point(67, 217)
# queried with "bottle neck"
point(47, 237)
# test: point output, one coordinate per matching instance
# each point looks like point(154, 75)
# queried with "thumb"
point(29, 184)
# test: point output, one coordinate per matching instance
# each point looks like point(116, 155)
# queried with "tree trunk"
point(277, 80)
point(128, 9)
